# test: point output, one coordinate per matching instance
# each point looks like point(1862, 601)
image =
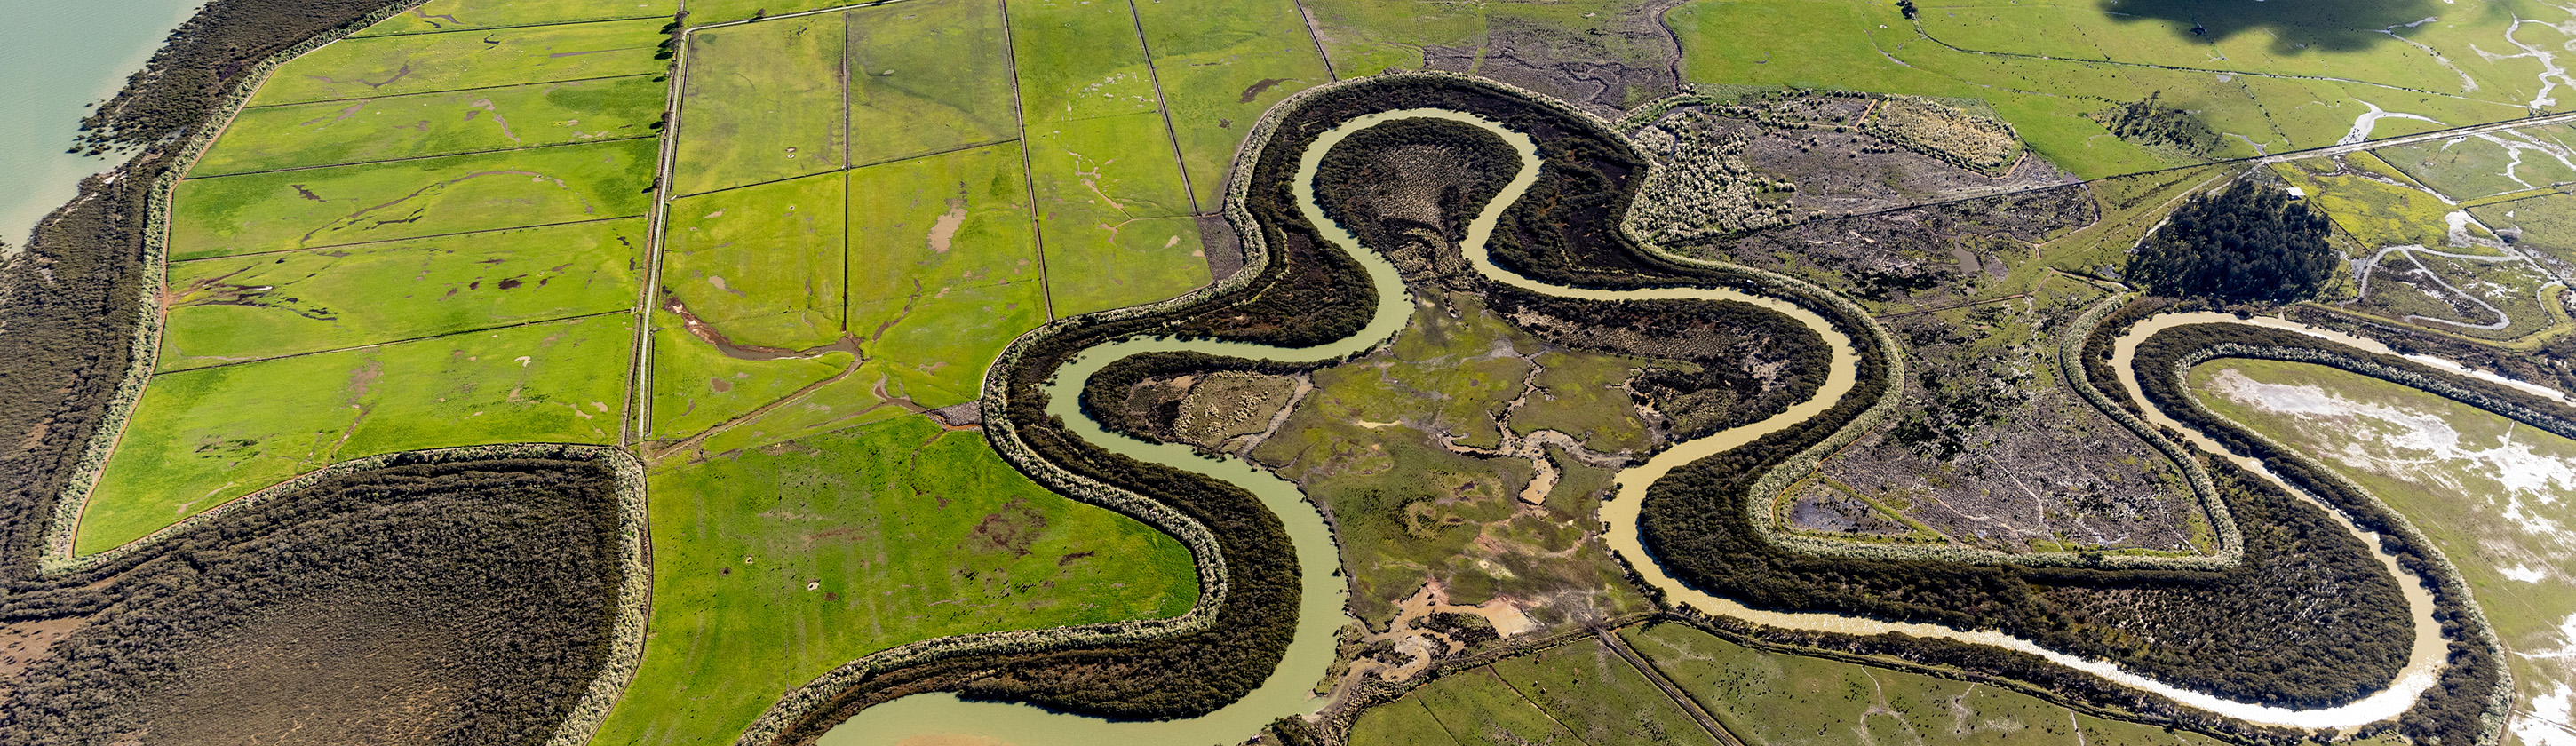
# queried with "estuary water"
point(57, 57)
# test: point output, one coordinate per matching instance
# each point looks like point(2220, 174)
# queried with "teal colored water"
point(57, 58)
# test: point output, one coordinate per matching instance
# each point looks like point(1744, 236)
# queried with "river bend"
point(945, 719)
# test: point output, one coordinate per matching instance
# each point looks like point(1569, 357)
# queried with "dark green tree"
point(2246, 243)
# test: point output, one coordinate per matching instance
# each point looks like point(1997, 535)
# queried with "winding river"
point(945, 719)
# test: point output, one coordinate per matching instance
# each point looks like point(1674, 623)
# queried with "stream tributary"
point(944, 719)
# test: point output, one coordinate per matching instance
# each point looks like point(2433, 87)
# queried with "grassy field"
point(762, 264)
point(1222, 64)
point(1600, 696)
point(319, 134)
point(2548, 225)
point(1580, 692)
point(240, 308)
point(2492, 495)
point(703, 12)
point(696, 386)
point(2370, 200)
point(763, 103)
point(943, 271)
point(203, 437)
point(835, 405)
point(1769, 699)
point(2474, 167)
point(1102, 184)
point(1871, 46)
point(773, 567)
point(380, 66)
point(1079, 60)
point(2292, 37)
point(459, 15)
point(928, 76)
point(338, 205)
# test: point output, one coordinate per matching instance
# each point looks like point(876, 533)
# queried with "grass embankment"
point(2489, 493)
point(775, 566)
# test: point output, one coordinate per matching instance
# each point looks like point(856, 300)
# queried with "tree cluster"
point(2249, 243)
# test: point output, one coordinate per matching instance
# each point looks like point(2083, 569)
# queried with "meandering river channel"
point(944, 719)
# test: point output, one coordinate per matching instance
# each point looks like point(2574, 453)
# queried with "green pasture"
point(704, 12)
point(2547, 222)
point(1870, 46)
point(939, 223)
point(1770, 699)
point(943, 272)
point(2490, 493)
point(761, 264)
point(835, 405)
point(461, 15)
point(1486, 710)
point(2286, 37)
point(1600, 696)
point(697, 387)
point(776, 565)
point(336, 132)
point(1223, 63)
point(378, 66)
point(2370, 202)
point(241, 308)
point(2468, 168)
point(229, 215)
point(1112, 214)
point(762, 103)
point(1077, 60)
point(928, 76)
point(202, 437)
point(936, 345)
